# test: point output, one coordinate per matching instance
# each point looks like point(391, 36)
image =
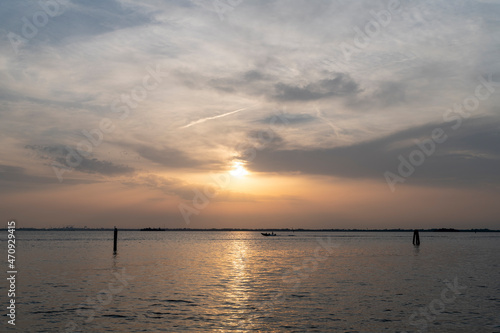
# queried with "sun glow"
point(238, 170)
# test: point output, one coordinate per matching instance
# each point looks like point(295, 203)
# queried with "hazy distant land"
point(260, 229)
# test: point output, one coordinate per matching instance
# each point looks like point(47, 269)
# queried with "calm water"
point(69, 281)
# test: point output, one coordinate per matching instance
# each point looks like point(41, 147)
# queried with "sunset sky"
point(250, 113)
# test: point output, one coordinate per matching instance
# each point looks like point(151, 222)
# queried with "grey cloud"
point(88, 165)
point(391, 93)
point(252, 82)
point(168, 157)
point(75, 19)
point(94, 165)
point(340, 85)
point(17, 173)
point(259, 83)
point(46, 151)
point(14, 178)
point(76, 102)
point(258, 139)
point(471, 154)
point(253, 75)
point(289, 118)
point(388, 94)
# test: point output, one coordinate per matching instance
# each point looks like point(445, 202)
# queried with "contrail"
point(199, 121)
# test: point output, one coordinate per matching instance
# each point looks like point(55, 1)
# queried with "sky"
point(250, 114)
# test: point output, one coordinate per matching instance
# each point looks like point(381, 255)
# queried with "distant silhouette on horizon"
point(416, 238)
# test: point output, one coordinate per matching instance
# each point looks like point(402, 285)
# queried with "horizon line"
point(258, 229)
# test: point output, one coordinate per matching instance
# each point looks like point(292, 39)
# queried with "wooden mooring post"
point(416, 238)
point(115, 240)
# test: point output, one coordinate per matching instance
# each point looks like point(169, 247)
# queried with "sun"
point(238, 170)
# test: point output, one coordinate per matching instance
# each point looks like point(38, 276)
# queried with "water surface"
point(174, 281)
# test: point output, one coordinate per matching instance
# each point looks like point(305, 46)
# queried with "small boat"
point(268, 234)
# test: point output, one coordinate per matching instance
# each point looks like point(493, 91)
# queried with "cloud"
point(168, 185)
point(289, 119)
point(93, 165)
point(251, 82)
point(13, 178)
point(84, 164)
point(167, 157)
point(340, 85)
point(187, 191)
point(76, 19)
point(14, 173)
point(386, 95)
point(265, 82)
point(470, 155)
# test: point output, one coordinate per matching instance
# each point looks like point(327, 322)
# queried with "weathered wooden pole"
point(416, 238)
point(114, 242)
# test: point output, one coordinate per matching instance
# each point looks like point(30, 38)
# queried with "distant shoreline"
point(259, 229)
